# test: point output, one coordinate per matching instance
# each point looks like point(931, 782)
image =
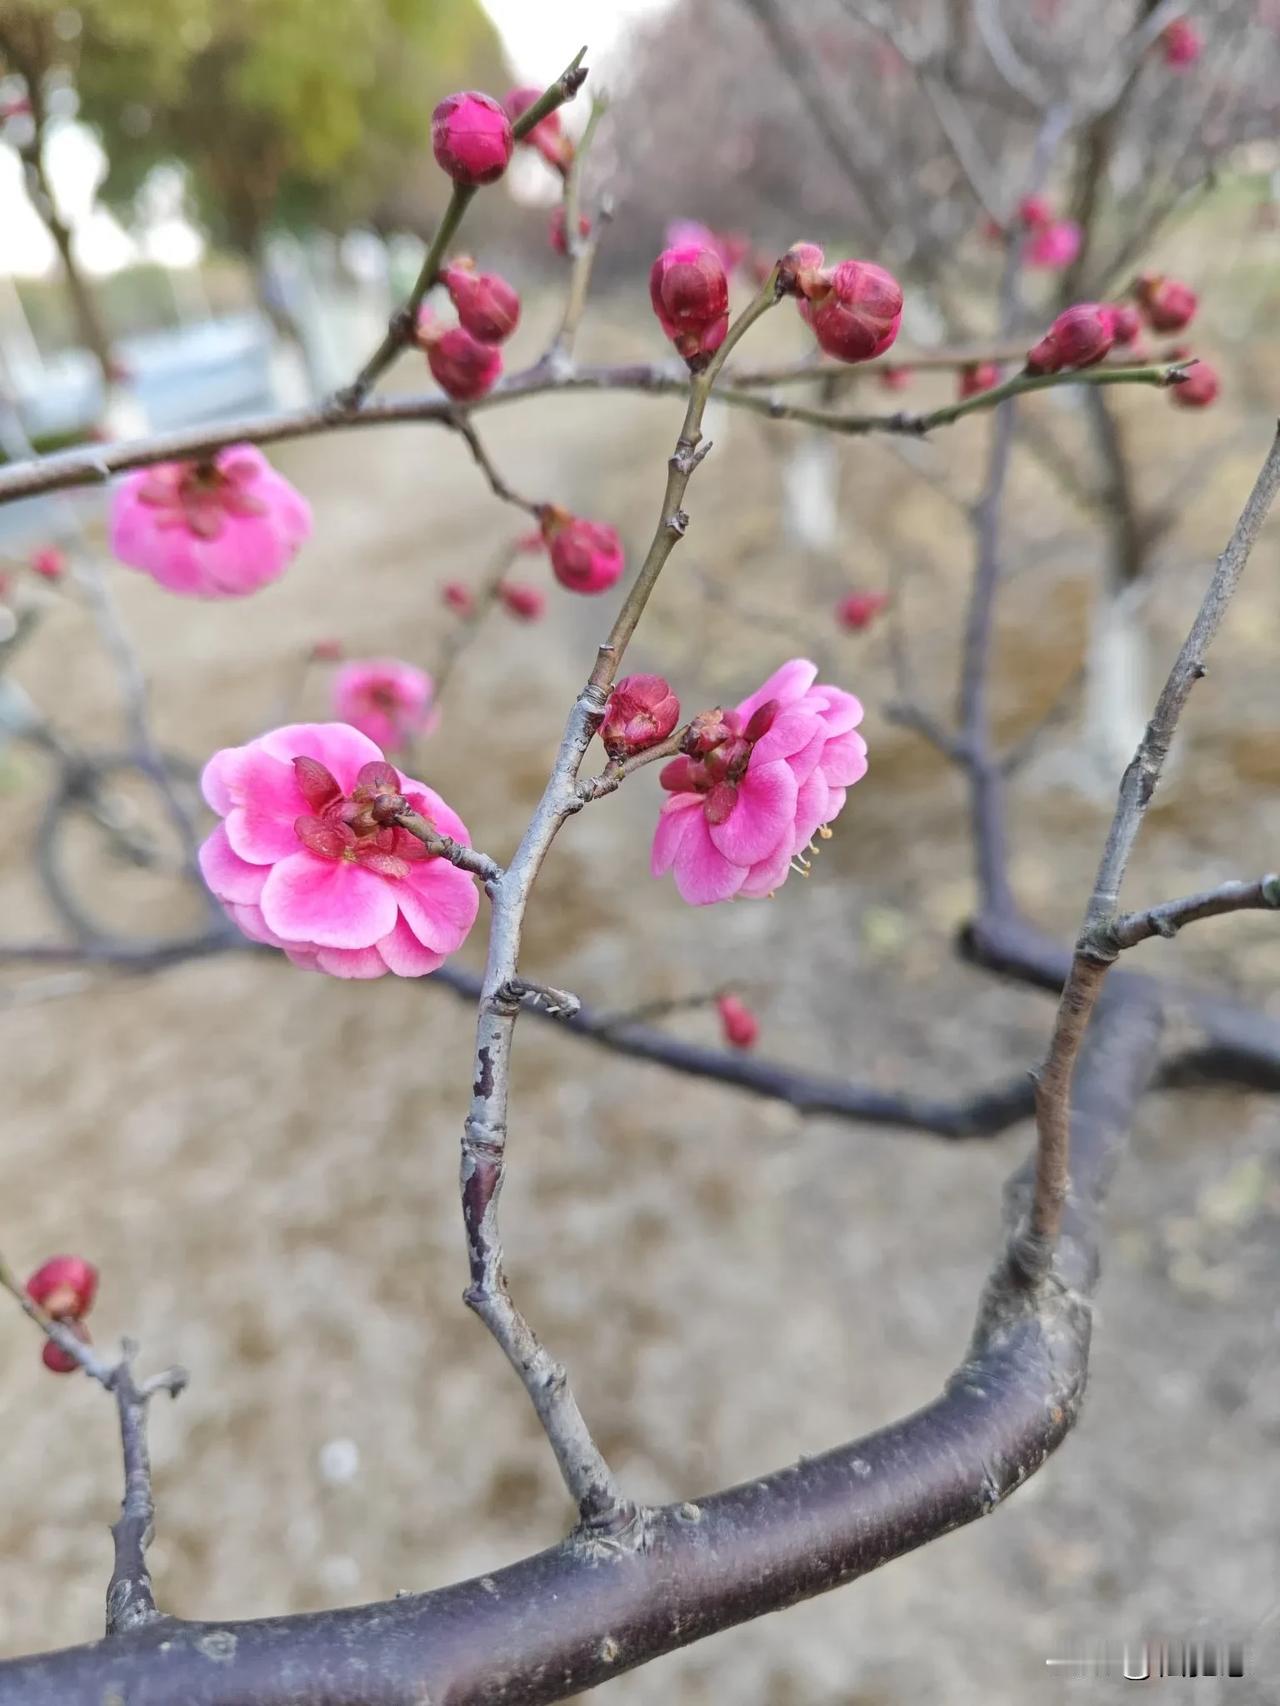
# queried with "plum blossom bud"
point(1198, 389)
point(860, 609)
point(1053, 246)
point(547, 136)
point(740, 1026)
point(526, 603)
point(1079, 337)
point(642, 711)
point(558, 227)
point(1182, 43)
point(327, 651)
point(586, 556)
point(1126, 322)
point(461, 365)
point(1034, 211)
point(896, 378)
point(64, 1287)
point(58, 1361)
point(854, 308)
point(471, 138)
point(49, 563)
point(977, 377)
point(1167, 304)
point(690, 296)
point(488, 307)
point(458, 598)
point(801, 264)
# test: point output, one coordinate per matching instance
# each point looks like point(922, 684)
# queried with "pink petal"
point(328, 903)
point(793, 729)
point(229, 877)
point(351, 962)
point(439, 903)
point(802, 764)
point(338, 747)
point(673, 824)
point(769, 875)
point(841, 712)
point(218, 779)
point(405, 955)
point(763, 816)
point(249, 919)
point(813, 807)
point(429, 803)
point(845, 760)
point(703, 874)
point(267, 804)
point(786, 685)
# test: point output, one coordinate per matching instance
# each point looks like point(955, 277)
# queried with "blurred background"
point(209, 207)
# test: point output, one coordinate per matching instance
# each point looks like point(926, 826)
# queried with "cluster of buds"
point(977, 377)
point(642, 711)
point(860, 609)
point(1080, 336)
point(854, 308)
point(488, 307)
point(586, 556)
point(690, 296)
point(471, 138)
point(1166, 304)
point(547, 136)
point(1181, 43)
point(738, 1023)
point(64, 1287)
point(462, 366)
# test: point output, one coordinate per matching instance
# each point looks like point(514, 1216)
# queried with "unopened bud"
point(860, 609)
point(1079, 337)
point(1198, 389)
point(461, 365)
point(690, 296)
point(586, 556)
point(642, 711)
point(64, 1287)
point(458, 597)
point(855, 309)
point(1167, 304)
point(977, 377)
point(526, 603)
point(739, 1024)
point(471, 138)
point(58, 1361)
point(488, 307)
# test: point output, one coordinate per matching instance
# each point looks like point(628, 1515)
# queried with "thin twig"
point(1262, 895)
point(445, 847)
point(130, 1597)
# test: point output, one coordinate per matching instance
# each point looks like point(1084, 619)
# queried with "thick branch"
point(572, 1617)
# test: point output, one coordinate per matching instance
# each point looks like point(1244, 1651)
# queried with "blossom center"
point(201, 496)
point(718, 757)
point(357, 828)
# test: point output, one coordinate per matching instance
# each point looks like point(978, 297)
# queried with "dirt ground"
point(264, 1162)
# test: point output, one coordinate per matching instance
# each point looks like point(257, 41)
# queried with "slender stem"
point(445, 847)
point(497, 485)
point(672, 520)
point(1096, 948)
point(581, 250)
point(399, 333)
point(1262, 895)
point(130, 1597)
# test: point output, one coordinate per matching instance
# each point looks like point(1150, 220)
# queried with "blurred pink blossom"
point(386, 699)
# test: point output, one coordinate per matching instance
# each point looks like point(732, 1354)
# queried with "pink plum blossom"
point(756, 784)
point(215, 529)
point(386, 699)
point(305, 861)
point(1053, 246)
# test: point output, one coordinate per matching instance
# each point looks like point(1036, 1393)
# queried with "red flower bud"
point(801, 263)
point(740, 1026)
point(461, 365)
point(896, 378)
point(690, 296)
point(557, 229)
point(49, 563)
point(1182, 43)
point(471, 138)
point(977, 377)
point(586, 556)
point(706, 731)
point(1198, 389)
point(547, 136)
point(58, 1361)
point(458, 598)
point(64, 1287)
point(855, 309)
point(642, 711)
point(326, 651)
point(1034, 211)
point(487, 305)
point(1079, 337)
point(860, 610)
point(1167, 304)
point(525, 602)
point(1126, 322)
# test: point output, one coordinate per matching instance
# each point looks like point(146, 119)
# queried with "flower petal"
point(267, 802)
point(673, 824)
point(813, 807)
point(439, 903)
point(768, 876)
point(786, 685)
point(405, 955)
point(229, 877)
point(703, 874)
point(841, 711)
point(340, 748)
point(793, 730)
point(328, 903)
point(763, 816)
point(845, 760)
point(351, 962)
